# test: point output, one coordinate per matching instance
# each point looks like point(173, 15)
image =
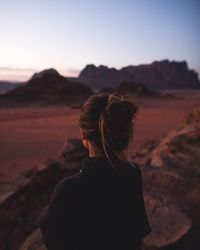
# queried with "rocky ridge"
point(157, 75)
point(171, 171)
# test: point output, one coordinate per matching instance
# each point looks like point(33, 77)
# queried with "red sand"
point(29, 136)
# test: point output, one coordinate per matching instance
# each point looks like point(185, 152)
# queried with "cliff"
point(157, 75)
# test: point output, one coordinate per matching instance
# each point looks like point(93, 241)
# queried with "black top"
point(97, 208)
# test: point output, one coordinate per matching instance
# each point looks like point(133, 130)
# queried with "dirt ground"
point(31, 135)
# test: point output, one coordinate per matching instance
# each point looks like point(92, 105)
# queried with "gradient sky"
point(68, 34)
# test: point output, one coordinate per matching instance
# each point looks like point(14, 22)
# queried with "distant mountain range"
point(157, 75)
point(6, 86)
point(49, 87)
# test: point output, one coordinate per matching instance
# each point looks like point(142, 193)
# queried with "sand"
point(31, 135)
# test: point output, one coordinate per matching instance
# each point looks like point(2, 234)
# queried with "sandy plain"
point(31, 135)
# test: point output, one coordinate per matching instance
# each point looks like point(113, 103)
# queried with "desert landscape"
point(54, 55)
point(31, 135)
point(40, 144)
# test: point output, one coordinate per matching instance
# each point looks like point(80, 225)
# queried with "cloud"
point(15, 74)
point(71, 72)
point(15, 69)
point(23, 74)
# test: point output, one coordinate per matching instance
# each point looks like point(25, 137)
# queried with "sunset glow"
point(67, 35)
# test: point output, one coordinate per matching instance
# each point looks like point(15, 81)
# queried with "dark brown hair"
point(107, 121)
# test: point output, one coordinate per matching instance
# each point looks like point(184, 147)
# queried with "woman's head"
point(106, 121)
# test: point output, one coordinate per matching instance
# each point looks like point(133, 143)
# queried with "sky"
point(69, 34)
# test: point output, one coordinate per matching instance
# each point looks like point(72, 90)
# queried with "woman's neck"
point(94, 151)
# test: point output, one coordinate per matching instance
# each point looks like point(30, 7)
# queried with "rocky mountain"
point(48, 87)
point(171, 177)
point(157, 75)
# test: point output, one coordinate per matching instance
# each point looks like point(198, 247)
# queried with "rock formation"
point(48, 87)
point(137, 89)
point(157, 75)
point(23, 202)
point(171, 183)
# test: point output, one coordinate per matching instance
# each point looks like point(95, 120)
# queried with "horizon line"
point(17, 77)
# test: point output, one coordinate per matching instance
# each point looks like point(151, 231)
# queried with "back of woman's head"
point(107, 121)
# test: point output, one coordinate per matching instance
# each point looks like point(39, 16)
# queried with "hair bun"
point(121, 109)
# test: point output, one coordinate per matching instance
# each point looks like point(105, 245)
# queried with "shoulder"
point(135, 166)
point(133, 175)
point(134, 169)
point(67, 187)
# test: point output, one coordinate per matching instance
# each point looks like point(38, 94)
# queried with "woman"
point(101, 206)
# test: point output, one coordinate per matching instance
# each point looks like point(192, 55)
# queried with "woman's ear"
point(84, 140)
point(83, 136)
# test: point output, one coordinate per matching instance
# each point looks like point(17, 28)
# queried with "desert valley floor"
point(31, 135)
